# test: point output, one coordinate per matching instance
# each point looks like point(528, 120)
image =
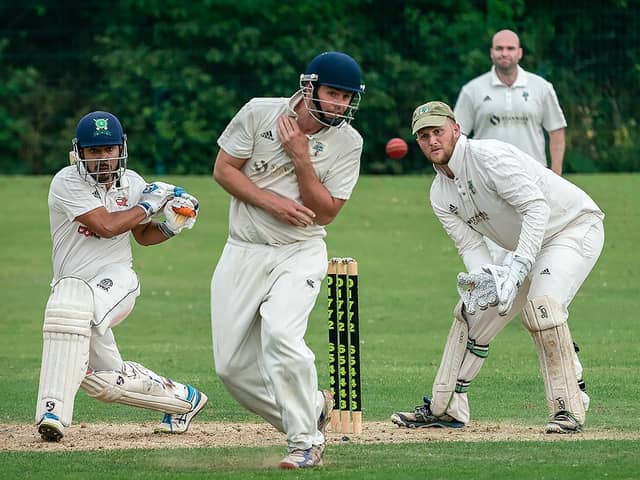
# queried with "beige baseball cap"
point(431, 114)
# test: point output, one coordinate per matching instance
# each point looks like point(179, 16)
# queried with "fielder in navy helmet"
point(334, 70)
point(290, 165)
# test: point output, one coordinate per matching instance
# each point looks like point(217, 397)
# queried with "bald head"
point(506, 52)
point(505, 37)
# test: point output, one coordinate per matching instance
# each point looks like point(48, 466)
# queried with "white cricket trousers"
point(261, 299)
point(561, 267)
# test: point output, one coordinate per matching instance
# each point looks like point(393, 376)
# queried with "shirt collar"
point(456, 161)
point(521, 79)
point(295, 99)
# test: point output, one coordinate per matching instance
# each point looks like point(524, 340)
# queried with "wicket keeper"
point(491, 189)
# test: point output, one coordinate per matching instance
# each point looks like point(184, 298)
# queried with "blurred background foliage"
point(175, 72)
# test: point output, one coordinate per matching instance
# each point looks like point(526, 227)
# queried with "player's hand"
point(175, 219)
point(477, 290)
point(182, 194)
point(294, 141)
point(155, 195)
point(291, 212)
point(508, 280)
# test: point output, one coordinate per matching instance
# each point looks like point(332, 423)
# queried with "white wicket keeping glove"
point(175, 222)
point(155, 195)
point(508, 280)
point(477, 290)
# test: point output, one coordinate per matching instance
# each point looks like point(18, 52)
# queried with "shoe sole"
point(294, 466)
point(439, 424)
point(50, 433)
point(555, 428)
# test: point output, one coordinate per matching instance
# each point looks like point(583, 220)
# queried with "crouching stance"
point(487, 189)
point(94, 205)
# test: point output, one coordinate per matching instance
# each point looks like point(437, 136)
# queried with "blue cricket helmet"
point(336, 70)
point(99, 129)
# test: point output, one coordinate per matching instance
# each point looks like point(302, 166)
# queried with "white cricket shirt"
point(77, 251)
point(253, 135)
point(501, 193)
point(515, 114)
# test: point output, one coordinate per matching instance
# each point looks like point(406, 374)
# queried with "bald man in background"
point(515, 106)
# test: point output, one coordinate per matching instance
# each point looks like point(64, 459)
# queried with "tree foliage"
point(176, 72)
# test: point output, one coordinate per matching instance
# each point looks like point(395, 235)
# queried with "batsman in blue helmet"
point(95, 206)
point(290, 165)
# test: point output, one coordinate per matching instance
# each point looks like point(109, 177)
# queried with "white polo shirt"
point(501, 193)
point(77, 251)
point(253, 135)
point(516, 114)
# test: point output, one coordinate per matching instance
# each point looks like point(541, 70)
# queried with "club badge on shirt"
point(317, 148)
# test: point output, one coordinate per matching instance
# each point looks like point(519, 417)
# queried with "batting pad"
point(65, 351)
point(137, 386)
point(551, 336)
point(444, 384)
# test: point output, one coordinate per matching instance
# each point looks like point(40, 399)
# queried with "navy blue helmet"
point(100, 129)
point(337, 70)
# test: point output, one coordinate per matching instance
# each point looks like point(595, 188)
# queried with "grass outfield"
point(407, 291)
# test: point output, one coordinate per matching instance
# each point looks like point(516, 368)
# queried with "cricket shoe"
point(50, 428)
point(303, 458)
point(422, 417)
point(327, 409)
point(179, 423)
point(563, 422)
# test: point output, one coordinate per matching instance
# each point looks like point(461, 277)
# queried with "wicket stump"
point(344, 345)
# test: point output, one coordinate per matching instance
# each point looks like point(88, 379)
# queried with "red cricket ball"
point(396, 148)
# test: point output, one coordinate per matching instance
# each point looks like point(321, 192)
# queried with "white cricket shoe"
point(303, 458)
point(179, 423)
point(50, 428)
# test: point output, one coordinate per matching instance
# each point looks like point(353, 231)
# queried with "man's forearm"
point(557, 146)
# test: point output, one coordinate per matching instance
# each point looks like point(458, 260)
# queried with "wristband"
point(165, 230)
point(146, 206)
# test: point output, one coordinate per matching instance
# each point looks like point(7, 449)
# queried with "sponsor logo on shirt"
point(122, 201)
point(545, 272)
point(453, 209)
point(259, 166)
point(283, 170)
point(478, 218)
point(508, 119)
point(487, 99)
point(525, 95)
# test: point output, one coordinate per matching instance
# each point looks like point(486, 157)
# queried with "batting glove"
point(175, 222)
point(155, 195)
